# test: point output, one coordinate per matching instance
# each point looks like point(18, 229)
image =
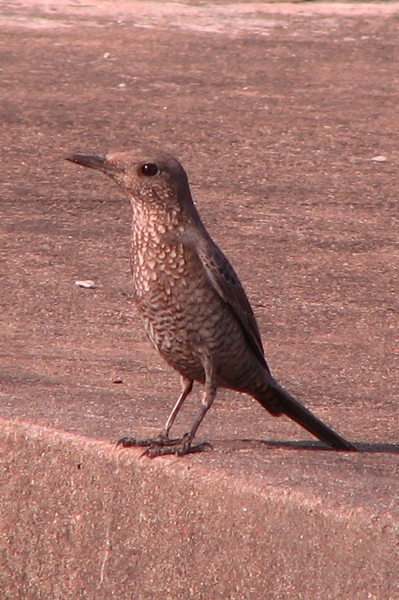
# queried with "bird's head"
point(149, 177)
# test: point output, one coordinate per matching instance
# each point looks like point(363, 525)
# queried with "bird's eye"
point(150, 169)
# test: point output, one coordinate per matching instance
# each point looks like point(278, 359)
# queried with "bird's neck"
point(158, 256)
point(154, 226)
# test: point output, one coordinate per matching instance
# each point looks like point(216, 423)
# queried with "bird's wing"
point(225, 281)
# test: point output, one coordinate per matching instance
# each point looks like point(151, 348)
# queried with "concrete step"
point(82, 519)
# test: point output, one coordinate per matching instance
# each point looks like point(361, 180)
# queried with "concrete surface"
point(83, 520)
point(285, 116)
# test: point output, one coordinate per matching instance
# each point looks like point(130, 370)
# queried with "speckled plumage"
point(194, 308)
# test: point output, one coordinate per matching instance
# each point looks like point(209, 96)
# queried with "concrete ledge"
point(80, 519)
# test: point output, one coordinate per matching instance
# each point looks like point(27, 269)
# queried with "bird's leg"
point(162, 439)
point(187, 386)
point(183, 445)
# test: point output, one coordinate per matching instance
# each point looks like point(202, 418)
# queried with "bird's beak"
point(99, 163)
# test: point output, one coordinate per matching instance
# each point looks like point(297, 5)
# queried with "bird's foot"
point(179, 447)
point(129, 442)
point(163, 445)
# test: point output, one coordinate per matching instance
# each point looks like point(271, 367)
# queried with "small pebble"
point(88, 283)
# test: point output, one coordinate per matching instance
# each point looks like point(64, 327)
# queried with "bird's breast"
point(158, 269)
point(176, 301)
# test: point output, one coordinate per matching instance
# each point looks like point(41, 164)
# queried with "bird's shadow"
point(364, 447)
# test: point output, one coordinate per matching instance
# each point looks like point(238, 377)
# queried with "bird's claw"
point(179, 449)
point(162, 446)
point(130, 442)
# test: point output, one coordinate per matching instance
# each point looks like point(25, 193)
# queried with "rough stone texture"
point(82, 520)
point(277, 113)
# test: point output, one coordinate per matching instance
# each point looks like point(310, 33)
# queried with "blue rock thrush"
point(195, 310)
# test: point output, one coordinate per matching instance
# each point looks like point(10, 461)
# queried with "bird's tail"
point(278, 401)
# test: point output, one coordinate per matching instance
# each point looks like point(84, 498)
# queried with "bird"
point(194, 308)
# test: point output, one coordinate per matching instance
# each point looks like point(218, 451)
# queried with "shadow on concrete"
point(316, 446)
